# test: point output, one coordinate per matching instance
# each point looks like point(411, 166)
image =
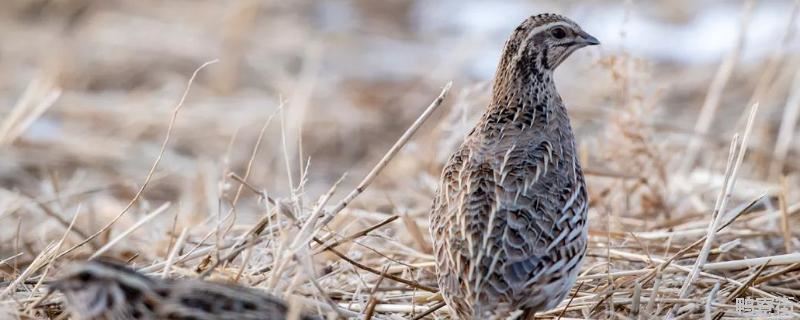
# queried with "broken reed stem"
point(153, 168)
point(722, 201)
point(389, 155)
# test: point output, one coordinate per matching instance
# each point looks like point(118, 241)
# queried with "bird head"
point(546, 40)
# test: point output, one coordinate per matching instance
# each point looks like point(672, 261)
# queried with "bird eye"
point(85, 276)
point(558, 33)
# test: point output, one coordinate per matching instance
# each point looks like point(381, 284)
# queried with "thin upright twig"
point(153, 168)
point(389, 155)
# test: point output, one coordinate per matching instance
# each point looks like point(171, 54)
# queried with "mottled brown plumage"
point(99, 290)
point(509, 222)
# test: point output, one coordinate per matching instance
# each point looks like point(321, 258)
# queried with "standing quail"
point(509, 218)
point(101, 290)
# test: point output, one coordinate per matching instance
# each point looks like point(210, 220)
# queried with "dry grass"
point(276, 168)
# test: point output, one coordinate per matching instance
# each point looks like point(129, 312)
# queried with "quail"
point(509, 219)
point(104, 290)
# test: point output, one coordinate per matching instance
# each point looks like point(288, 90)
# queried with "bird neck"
point(524, 101)
point(515, 88)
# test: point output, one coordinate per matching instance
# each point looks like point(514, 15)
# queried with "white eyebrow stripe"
point(534, 31)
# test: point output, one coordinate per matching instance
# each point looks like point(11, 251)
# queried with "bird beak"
point(587, 39)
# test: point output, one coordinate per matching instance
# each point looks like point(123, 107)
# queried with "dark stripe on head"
point(544, 59)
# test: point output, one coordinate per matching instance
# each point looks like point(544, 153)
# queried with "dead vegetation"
point(277, 168)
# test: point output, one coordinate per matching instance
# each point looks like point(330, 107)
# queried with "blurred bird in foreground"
point(99, 290)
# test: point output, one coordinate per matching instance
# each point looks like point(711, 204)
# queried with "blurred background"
point(88, 87)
